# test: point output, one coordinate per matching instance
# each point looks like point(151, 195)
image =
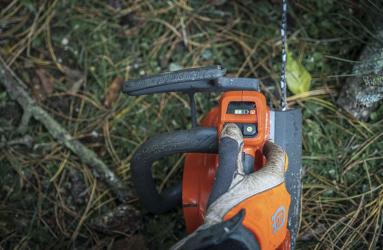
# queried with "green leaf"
point(298, 79)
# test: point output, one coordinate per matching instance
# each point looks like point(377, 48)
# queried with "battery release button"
point(249, 130)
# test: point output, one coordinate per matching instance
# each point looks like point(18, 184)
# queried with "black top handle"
point(191, 80)
point(196, 140)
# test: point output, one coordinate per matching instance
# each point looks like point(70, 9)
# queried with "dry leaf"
point(124, 218)
point(38, 92)
point(71, 73)
point(298, 79)
point(75, 79)
point(136, 242)
point(113, 91)
point(46, 81)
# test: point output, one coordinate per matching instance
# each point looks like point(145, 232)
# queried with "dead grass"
point(49, 199)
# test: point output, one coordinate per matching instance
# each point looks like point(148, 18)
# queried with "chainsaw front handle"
point(197, 140)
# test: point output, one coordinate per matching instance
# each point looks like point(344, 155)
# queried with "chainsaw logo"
point(278, 219)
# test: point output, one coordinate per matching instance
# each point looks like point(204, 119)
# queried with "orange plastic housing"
point(199, 169)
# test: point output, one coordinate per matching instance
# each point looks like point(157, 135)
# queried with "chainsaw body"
point(249, 111)
point(241, 103)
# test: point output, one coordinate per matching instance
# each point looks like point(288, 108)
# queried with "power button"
point(249, 130)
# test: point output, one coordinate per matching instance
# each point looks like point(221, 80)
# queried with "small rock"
point(175, 67)
point(65, 41)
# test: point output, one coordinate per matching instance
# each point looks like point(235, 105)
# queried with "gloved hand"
point(250, 211)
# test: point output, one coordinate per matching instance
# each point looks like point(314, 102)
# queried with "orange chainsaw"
point(204, 177)
point(242, 103)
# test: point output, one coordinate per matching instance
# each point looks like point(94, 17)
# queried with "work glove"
point(245, 211)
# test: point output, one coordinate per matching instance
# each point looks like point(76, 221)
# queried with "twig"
point(25, 140)
point(15, 89)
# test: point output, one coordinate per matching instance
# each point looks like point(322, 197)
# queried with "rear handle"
point(196, 140)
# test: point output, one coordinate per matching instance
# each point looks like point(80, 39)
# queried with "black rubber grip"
point(248, 163)
point(226, 235)
point(228, 153)
point(197, 140)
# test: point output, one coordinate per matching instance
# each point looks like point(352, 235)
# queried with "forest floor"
point(68, 53)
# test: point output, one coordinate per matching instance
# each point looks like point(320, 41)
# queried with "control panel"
point(249, 111)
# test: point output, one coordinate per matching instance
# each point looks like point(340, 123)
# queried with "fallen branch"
point(25, 140)
point(16, 90)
